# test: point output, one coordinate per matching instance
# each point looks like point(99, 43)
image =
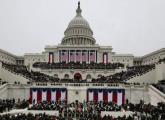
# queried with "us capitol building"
point(79, 46)
point(79, 69)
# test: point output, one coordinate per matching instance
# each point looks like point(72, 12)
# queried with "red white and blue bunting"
point(107, 95)
point(47, 94)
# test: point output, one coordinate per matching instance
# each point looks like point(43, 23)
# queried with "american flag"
point(72, 56)
point(78, 56)
point(92, 56)
point(84, 56)
point(64, 56)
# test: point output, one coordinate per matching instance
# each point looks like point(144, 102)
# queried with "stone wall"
point(152, 76)
point(160, 71)
point(92, 72)
point(155, 95)
point(3, 91)
point(133, 93)
point(136, 93)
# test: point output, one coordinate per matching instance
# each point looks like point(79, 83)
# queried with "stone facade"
point(10, 58)
point(133, 93)
point(78, 45)
point(153, 57)
point(7, 57)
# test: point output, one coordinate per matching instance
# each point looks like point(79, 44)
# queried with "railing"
point(78, 84)
point(3, 86)
point(157, 91)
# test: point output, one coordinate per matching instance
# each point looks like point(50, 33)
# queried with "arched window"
point(88, 77)
point(55, 75)
point(66, 76)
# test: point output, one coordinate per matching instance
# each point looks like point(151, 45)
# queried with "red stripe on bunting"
point(30, 99)
point(49, 96)
point(114, 98)
point(39, 96)
point(95, 97)
point(58, 95)
point(66, 96)
point(105, 97)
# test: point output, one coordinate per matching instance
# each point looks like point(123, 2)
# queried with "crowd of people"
point(45, 105)
point(117, 77)
point(52, 117)
point(160, 86)
point(92, 111)
point(81, 111)
point(76, 106)
point(125, 75)
point(9, 104)
point(29, 116)
point(31, 75)
point(161, 60)
point(6, 105)
point(77, 65)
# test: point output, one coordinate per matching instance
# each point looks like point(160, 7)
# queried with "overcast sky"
point(129, 26)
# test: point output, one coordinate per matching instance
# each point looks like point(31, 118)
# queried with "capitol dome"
point(78, 31)
point(78, 21)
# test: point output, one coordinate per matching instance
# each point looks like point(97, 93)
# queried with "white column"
point(69, 55)
point(81, 56)
point(59, 55)
point(66, 52)
point(95, 56)
point(89, 56)
point(75, 56)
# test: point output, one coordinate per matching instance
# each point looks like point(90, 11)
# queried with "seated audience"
point(91, 111)
point(9, 104)
point(77, 65)
point(115, 78)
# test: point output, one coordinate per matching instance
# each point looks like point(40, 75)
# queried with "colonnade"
point(78, 56)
